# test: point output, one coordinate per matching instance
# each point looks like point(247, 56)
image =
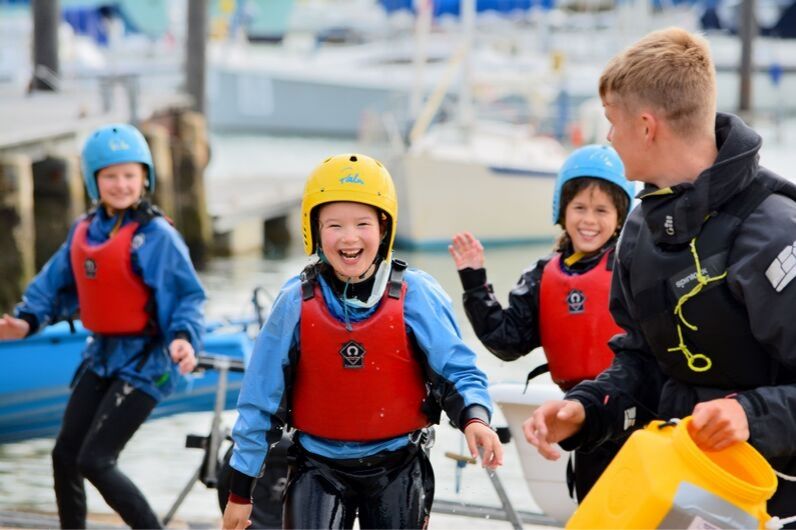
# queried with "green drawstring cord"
point(698, 362)
point(345, 305)
point(702, 281)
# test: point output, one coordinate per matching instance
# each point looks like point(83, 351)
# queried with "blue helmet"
point(117, 143)
point(595, 161)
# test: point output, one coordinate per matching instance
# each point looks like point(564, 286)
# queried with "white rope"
point(783, 476)
point(775, 523)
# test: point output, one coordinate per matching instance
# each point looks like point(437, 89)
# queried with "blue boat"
point(36, 372)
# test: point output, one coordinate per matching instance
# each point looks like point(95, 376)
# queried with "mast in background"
point(46, 16)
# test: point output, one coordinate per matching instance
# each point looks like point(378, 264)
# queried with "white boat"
point(302, 88)
point(501, 176)
point(546, 480)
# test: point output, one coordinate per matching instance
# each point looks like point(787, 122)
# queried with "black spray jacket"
point(742, 222)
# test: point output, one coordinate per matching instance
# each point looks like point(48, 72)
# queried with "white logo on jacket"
point(630, 417)
point(137, 241)
point(783, 269)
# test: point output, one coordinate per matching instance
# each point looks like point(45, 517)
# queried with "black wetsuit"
point(100, 418)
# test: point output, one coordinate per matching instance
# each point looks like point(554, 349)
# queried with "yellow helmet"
point(352, 178)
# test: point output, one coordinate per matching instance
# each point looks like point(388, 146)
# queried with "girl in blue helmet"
point(127, 271)
point(561, 302)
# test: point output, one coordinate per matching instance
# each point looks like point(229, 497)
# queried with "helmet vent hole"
point(353, 158)
point(327, 159)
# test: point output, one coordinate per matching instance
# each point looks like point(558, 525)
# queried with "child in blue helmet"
point(127, 271)
point(561, 302)
point(360, 355)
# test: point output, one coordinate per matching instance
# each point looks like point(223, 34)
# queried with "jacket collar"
point(675, 215)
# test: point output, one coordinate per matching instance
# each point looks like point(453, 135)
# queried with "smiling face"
point(121, 185)
point(590, 219)
point(350, 235)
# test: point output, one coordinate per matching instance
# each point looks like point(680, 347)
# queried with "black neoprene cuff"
point(32, 321)
point(478, 412)
point(472, 278)
point(241, 484)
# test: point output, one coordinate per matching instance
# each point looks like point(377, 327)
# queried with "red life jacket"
point(358, 385)
point(113, 299)
point(575, 323)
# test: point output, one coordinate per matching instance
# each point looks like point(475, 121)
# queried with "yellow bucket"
point(661, 479)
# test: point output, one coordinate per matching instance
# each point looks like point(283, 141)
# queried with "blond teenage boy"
point(702, 285)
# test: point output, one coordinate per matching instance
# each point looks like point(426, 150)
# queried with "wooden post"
point(58, 200)
point(277, 237)
point(157, 136)
point(46, 16)
point(16, 235)
point(190, 155)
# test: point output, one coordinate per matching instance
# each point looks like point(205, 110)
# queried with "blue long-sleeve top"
point(160, 257)
point(457, 385)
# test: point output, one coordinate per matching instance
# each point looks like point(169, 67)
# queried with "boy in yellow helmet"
point(360, 355)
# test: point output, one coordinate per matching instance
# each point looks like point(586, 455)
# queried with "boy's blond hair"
point(671, 70)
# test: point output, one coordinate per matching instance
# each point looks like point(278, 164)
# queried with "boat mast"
point(748, 30)
point(467, 14)
point(422, 31)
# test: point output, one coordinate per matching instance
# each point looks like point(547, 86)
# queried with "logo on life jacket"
point(576, 300)
point(353, 354)
point(90, 268)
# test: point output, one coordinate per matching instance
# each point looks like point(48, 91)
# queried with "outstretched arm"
point(552, 422)
point(508, 333)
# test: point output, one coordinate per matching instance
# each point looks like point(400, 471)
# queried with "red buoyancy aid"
point(358, 385)
point(113, 298)
point(575, 323)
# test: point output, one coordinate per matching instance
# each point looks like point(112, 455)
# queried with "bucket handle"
point(671, 423)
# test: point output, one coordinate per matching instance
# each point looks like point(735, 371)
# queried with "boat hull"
point(546, 480)
point(441, 196)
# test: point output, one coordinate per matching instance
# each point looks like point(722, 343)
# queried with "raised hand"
point(466, 251)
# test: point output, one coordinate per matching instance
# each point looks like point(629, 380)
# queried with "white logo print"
point(630, 417)
point(668, 225)
point(117, 144)
point(783, 269)
point(137, 241)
